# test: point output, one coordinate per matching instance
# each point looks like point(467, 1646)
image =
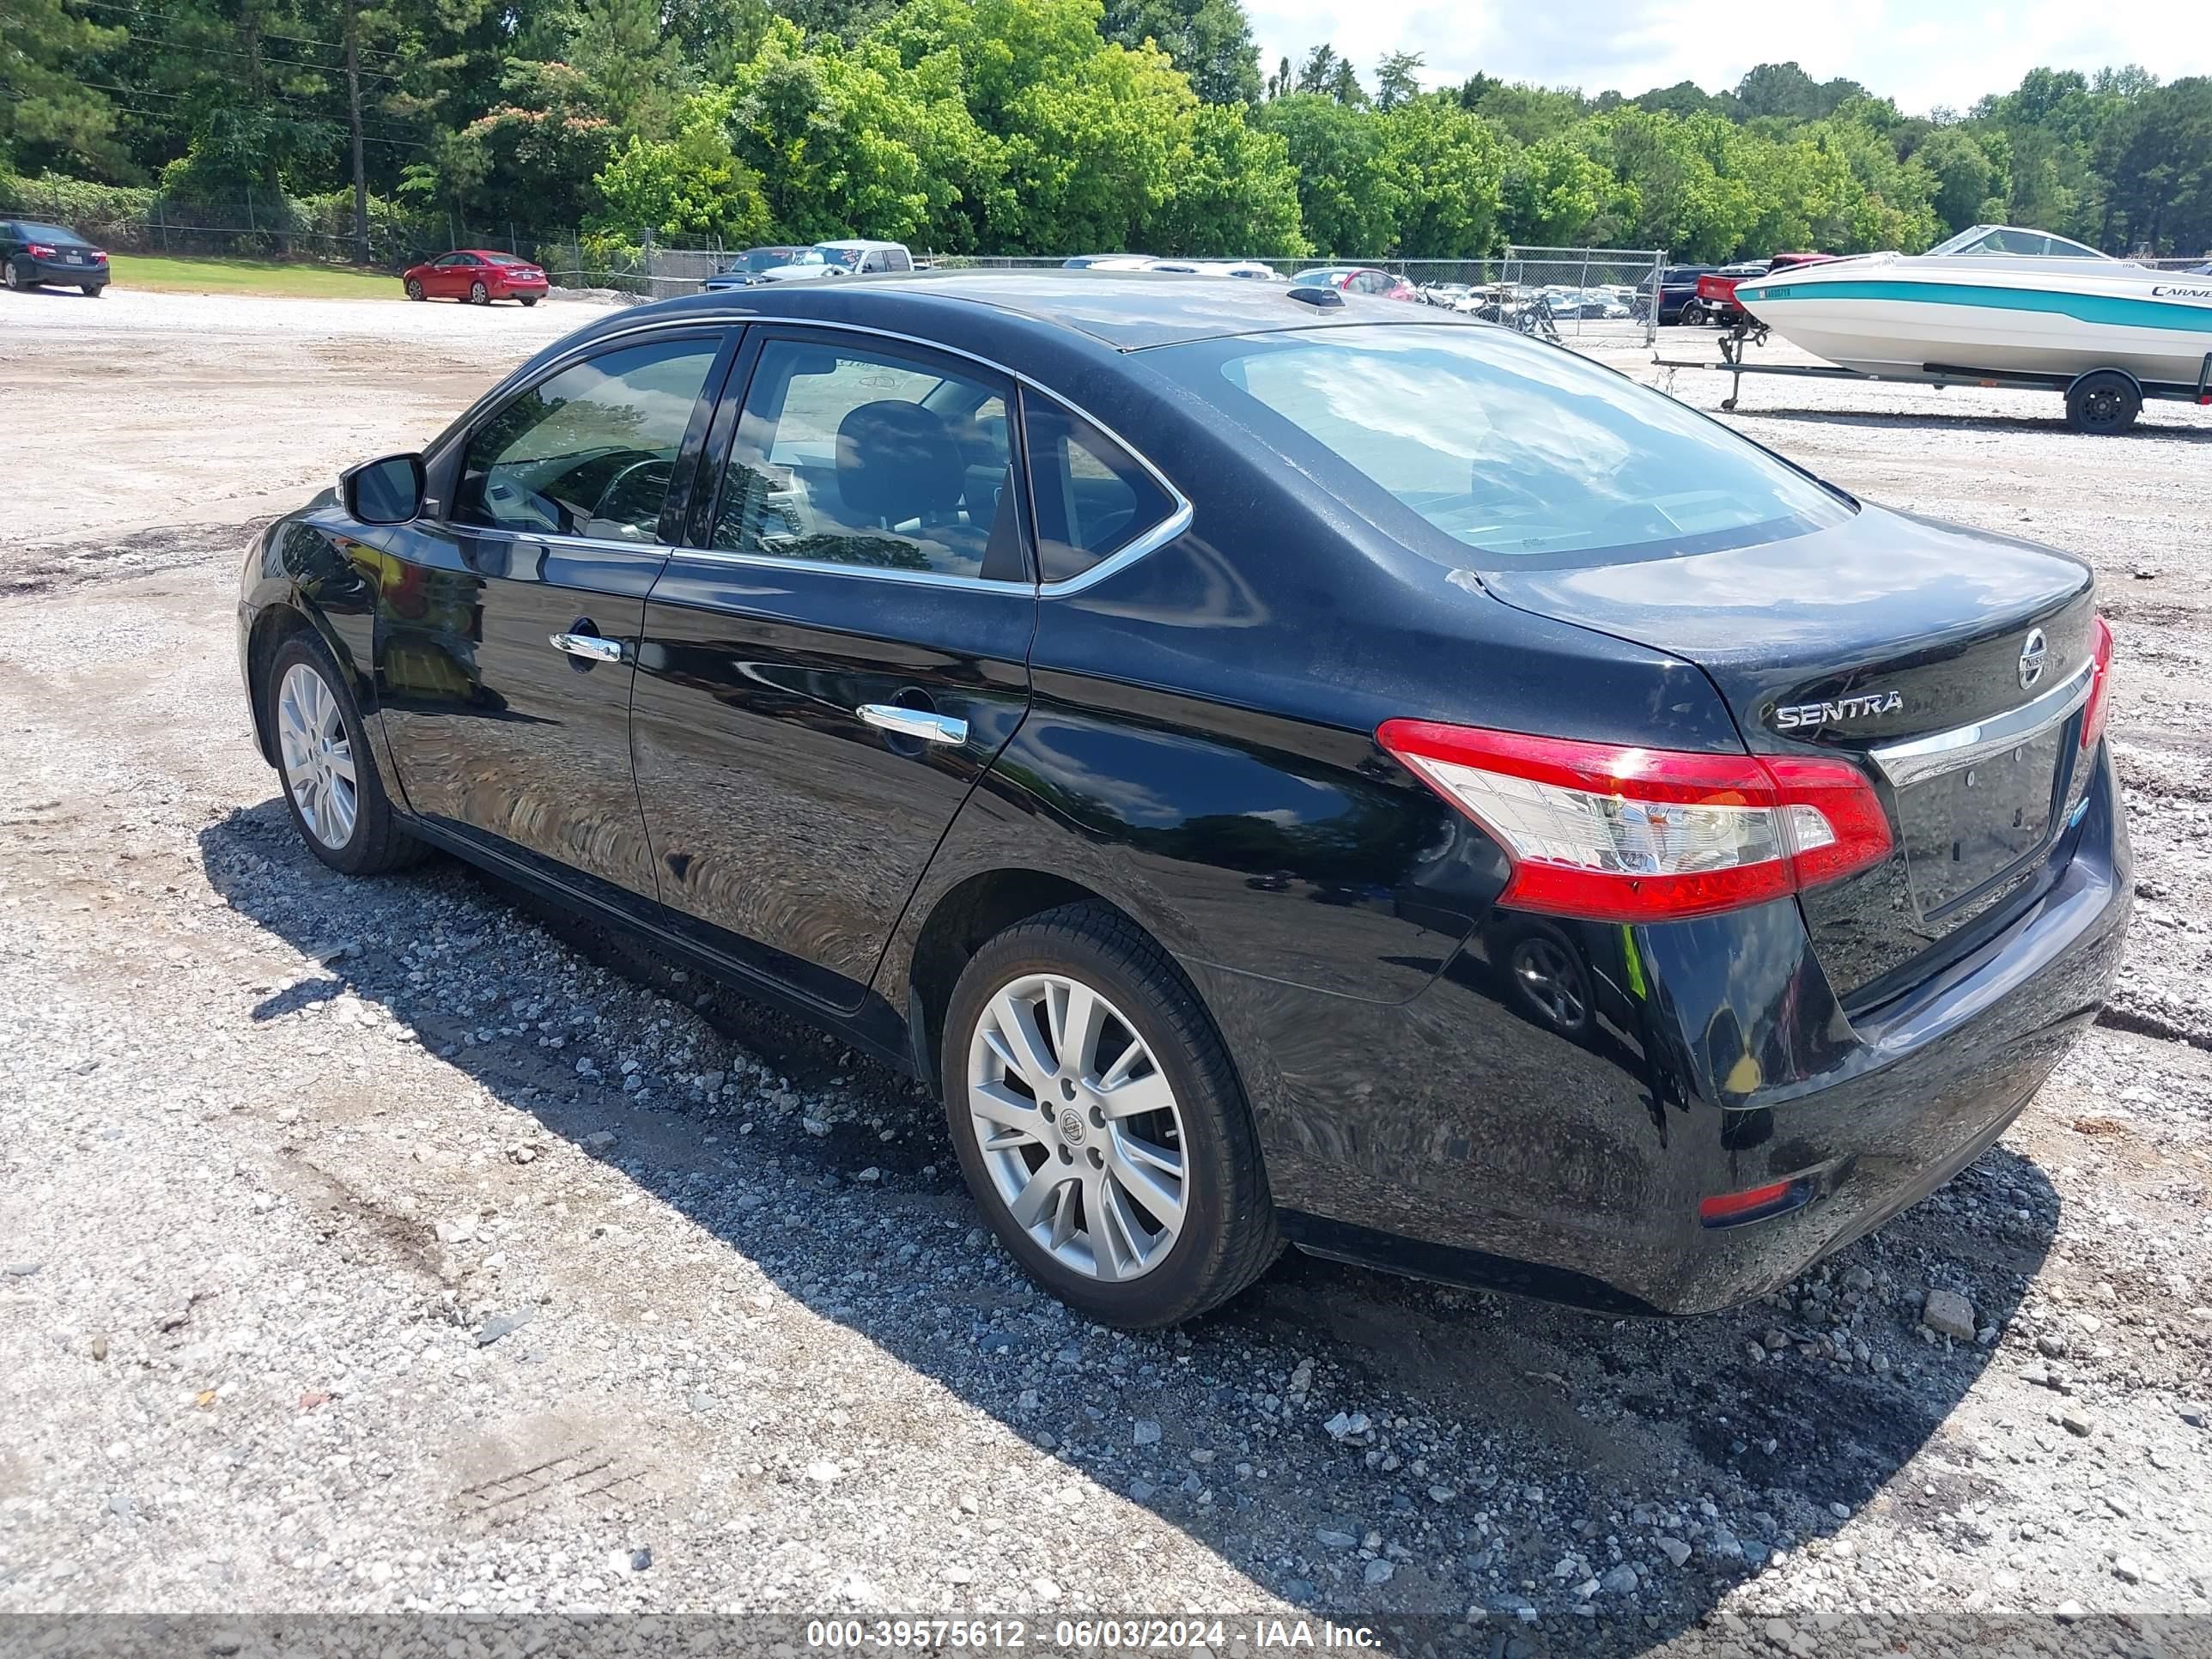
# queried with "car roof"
point(857, 242)
point(1127, 310)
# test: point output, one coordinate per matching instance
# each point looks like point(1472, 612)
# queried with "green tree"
point(1209, 41)
point(1525, 114)
point(1449, 166)
point(1552, 193)
point(690, 185)
point(48, 116)
point(1331, 76)
point(1397, 79)
point(1349, 200)
point(852, 140)
point(1231, 190)
point(1963, 176)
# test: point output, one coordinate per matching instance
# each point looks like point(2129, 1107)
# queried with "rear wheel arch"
point(975, 910)
point(966, 917)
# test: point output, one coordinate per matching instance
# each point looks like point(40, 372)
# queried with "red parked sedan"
point(1361, 279)
point(476, 274)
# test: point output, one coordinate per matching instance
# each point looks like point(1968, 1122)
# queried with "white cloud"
point(1921, 52)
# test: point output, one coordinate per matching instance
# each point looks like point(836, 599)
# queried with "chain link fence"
point(258, 225)
point(1576, 294)
point(1597, 294)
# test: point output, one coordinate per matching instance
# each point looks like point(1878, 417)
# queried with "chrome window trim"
point(1177, 521)
point(1920, 758)
point(1158, 536)
point(557, 540)
point(832, 568)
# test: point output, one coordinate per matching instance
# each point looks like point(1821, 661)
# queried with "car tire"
point(415, 290)
point(17, 280)
point(528, 300)
point(347, 823)
point(479, 294)
point(1692, 314)
point(2103, 403)
point(92, 290)
point(1150, 1036)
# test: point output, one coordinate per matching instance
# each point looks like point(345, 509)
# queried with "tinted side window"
point(1093, 498)
point(589, 451)
point(853, 455)
point(897, 259)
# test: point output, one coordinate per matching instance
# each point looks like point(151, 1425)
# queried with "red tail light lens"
point(2093, 711)
point(1612, 834)
point(38, 250)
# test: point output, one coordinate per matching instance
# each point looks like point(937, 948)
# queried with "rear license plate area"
point(1964, 828)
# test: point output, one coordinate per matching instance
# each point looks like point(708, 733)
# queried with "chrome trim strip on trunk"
point(1917, 758)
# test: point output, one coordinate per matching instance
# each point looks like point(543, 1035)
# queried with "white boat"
point(1996, 301)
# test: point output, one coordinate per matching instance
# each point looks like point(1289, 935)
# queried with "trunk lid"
point(1946, 663)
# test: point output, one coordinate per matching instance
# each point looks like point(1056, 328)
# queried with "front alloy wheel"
point(319, 767)
point(336, 798)
point(479, 294)
point(1078, 1127)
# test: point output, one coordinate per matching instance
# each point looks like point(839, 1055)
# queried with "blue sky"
point(1924, 53)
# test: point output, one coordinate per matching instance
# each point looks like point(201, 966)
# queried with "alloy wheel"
point(318, 764)
point(1552, 981)
point(1079, 1127)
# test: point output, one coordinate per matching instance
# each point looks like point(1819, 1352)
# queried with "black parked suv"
point(1678, 286)
point(34, 255)
point(1280, 766)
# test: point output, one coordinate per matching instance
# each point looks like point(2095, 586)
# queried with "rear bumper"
point(1464, 1137)
point(45, 271)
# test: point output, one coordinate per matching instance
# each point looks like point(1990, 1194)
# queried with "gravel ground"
point(400, 1246)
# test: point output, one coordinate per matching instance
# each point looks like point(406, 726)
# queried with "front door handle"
point(590, 647)
point(913, 722)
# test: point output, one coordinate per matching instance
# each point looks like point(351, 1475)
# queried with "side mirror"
point(386, 491)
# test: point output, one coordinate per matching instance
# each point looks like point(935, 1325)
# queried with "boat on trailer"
point(1997, 305)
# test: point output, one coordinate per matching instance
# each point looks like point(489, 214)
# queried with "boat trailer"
point(2101, 400)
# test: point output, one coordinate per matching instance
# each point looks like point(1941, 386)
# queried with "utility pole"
point(353, 119)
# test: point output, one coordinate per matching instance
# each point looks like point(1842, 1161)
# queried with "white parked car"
point(848, 259)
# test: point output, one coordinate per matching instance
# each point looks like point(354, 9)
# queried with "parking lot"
point(403, 1245)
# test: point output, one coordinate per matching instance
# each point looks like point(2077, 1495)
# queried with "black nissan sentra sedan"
point(1282, 767)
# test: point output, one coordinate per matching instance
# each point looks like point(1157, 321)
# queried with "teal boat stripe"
point(2176, 314)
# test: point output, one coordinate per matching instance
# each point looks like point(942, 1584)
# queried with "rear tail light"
point(38, 250)
point(1612, 833)
point(2101, 685)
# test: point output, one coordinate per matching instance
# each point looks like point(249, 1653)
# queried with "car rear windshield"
point(52, 233)
point(1520, 449)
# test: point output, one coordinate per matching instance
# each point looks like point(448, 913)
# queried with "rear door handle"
point(913, 722)
point(591, 648)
